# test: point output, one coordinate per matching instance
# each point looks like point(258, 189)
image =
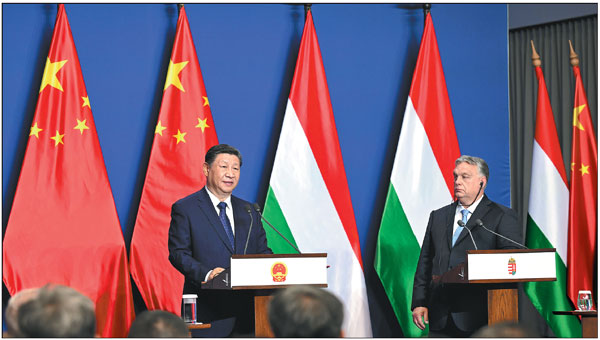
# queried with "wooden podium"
point(264, 273)
point(502, 269)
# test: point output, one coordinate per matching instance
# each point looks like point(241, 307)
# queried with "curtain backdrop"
point(552, 44)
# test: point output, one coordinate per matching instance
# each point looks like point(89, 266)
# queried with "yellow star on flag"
point(86, 102)
point(58, 138)
point(173, 75)
point(202, 124)
point(572, 166)
point(584, 170)
point(35, 130)
point(205, 101)
point(81, 126)
point(180, 136)
point(159, 128)
point(576, 112)
point(49, 77)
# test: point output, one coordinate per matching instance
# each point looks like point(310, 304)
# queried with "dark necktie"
point(225, 221)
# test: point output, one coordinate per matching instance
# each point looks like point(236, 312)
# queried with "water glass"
point(584, 300)
point(188, 308)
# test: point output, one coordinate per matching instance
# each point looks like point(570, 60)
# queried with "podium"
point(265, 272)
point(502, 269)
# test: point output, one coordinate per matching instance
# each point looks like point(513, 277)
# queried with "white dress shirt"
point(458, 214)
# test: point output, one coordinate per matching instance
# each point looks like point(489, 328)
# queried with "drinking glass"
point(584, 300)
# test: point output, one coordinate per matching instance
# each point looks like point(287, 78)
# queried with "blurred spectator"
point(58, 312)
point(158, 324)
point(306, 312)
point(12, 309)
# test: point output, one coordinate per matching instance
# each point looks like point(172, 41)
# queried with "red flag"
point(63, 227)
point(184, 132)
point(583, 198)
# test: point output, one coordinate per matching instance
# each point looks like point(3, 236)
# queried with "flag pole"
point(535, 57)
point(307, 8)
point(573, 55)
point(179, 7)
point(426, 9)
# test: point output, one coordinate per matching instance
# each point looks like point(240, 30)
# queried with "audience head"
point(158, 324)
point(306, 312)
point(12, 310)
point(505, 330)
point(58, 312)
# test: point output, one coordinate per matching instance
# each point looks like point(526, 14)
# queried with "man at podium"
point(458, 310)
point(209, 226)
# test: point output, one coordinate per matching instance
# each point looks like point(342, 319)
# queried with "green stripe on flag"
point(396, 260)
point(273, 213)
point(549, 296)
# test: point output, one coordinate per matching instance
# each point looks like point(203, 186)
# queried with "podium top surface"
point(510, 251)
point(576, 312)
point(267, 256)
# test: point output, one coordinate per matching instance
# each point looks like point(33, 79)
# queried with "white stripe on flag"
point(551, 215)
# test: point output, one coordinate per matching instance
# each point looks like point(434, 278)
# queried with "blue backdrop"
point(247, 54)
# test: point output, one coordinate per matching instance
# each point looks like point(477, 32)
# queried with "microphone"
point(249, 211)
point(480, 223)
point(462, 224)
point(257, 208)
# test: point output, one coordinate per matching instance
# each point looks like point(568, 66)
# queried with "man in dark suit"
point(209, 226)
point(458, 310)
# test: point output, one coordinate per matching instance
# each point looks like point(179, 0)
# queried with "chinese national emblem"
point(279, 272)
point(512, 266)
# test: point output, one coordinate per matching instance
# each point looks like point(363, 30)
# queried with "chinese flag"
point(63, 227)
point(184, 132)
point(583, 198)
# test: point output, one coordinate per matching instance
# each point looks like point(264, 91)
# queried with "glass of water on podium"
point(584, 300)
point(188, 308)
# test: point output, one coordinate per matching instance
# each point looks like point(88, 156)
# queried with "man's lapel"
point(242, 223)
point(479, 213)
point(211, 215)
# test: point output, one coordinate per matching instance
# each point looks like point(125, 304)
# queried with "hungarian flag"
point(308, 197)
point(583, 199)
point(421, 179)
point(184, 132)
point(548, 217)
point(63, 227)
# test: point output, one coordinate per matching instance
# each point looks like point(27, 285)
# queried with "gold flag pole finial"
point(535, 58)
point(573, 56)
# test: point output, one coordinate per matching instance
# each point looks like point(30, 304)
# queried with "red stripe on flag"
point(429, 96)
point(545, 127)
point(309, 95)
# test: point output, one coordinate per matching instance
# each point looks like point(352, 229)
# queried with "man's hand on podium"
point(215, 272)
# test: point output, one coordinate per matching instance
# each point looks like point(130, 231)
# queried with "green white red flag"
point(548, 215)
point(421, 179)
point(308, 197)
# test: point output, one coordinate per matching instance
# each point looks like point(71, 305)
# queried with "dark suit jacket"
point(198, 243)
point(466, 303)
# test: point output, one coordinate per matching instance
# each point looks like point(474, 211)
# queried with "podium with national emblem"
point(265, 272)
point(501, 270)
